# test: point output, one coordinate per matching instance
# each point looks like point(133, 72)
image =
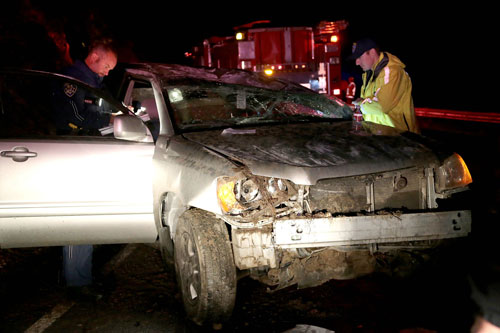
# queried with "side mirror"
point(131, 128)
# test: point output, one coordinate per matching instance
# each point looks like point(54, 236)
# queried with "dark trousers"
point(77, 265)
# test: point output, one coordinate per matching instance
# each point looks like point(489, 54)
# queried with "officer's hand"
point(113, 115)
point(358, 101)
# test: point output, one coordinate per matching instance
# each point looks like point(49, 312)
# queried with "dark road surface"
point(140, 295)
point(140, 292)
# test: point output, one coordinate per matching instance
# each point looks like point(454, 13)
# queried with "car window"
point(141, 99)
point(34, 105)
point(205, 104)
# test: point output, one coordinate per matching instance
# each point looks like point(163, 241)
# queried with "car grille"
point(403, 189)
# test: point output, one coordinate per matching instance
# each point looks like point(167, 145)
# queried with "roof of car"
point(232, 76)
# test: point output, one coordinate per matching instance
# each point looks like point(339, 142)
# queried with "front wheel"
point(205, 268)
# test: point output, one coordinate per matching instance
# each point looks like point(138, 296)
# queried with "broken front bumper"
point(354, 230)
point(256, 247)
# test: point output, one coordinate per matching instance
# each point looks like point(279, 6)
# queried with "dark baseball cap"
point(361, 46)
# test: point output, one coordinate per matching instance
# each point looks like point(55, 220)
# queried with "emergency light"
point(268, 71)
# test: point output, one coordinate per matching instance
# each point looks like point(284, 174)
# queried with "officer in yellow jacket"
point(385, 97)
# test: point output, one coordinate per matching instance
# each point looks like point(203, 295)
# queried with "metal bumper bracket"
point(352, 230)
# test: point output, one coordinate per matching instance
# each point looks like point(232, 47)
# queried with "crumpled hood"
point(305, 153)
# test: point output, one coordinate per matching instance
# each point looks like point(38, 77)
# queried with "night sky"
point(447, 50)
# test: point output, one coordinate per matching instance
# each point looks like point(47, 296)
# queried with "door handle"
point(19, 154)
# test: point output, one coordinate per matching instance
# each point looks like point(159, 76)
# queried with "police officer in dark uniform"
point(77, 111)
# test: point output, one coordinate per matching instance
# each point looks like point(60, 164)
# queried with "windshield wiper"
point(307, 117)
point(204, 125)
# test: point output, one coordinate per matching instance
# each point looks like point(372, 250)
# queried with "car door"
point(77, 188)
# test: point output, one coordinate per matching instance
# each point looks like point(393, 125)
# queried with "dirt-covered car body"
point(292, 189)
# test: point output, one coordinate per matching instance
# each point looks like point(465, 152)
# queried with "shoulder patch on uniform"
point(70, 89)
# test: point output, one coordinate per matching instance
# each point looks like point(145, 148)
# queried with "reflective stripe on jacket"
point(386, 94)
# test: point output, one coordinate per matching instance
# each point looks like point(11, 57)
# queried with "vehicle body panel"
point(72, 181)
point(73, 189)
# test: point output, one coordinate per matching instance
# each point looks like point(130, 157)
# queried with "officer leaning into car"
point(77, 113)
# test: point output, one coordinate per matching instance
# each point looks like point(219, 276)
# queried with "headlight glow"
point(453, 173)
point(175, 95)
point(225, 195)
point(268, 71)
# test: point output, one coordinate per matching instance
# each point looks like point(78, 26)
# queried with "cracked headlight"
point(237, 195)
point(452, 174)
point(247, 190)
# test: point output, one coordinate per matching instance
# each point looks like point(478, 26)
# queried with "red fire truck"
point(306, 55)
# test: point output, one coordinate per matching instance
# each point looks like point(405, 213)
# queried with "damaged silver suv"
point(235, 174)
point(267, 177)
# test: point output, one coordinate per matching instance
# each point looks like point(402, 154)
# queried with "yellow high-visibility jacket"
point(386, 94)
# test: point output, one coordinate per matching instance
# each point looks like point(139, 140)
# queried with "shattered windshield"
point(201, 104)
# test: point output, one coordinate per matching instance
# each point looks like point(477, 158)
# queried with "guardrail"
point(487, 117)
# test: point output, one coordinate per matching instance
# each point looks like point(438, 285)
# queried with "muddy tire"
point(205, 268)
